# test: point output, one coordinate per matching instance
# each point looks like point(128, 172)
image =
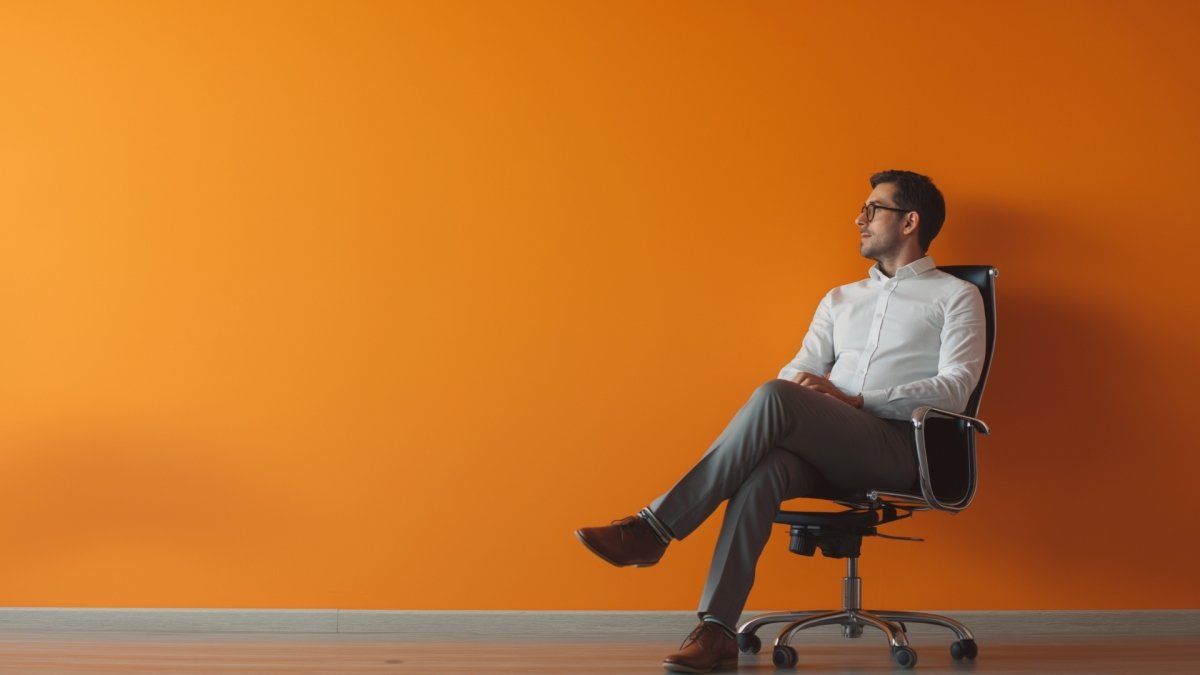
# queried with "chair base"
point(853, 618)
point(891, 622)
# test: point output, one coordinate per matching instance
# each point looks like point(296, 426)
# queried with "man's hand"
point(824, 386)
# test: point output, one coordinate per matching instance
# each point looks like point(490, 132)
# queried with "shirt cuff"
point(874, 400)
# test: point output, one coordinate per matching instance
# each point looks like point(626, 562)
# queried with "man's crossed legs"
point(787, 441)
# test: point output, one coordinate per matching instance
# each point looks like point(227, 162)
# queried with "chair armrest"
point(919, 417)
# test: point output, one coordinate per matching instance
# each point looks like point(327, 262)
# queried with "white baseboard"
point(517, 624)
point(169, 620)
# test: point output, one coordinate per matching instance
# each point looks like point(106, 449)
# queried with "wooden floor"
point(551, 643)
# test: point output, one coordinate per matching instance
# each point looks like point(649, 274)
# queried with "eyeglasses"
point(869, 209)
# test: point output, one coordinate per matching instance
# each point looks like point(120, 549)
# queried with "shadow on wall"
point(1069, 412)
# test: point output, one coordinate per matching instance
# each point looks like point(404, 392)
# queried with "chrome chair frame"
point(879, 507)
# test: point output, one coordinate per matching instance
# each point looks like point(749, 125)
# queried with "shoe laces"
point(698, 634)
point(626, 525)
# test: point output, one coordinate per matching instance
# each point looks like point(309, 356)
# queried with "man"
point(909, 335)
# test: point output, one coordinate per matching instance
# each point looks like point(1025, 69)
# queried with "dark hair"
point(915, 192)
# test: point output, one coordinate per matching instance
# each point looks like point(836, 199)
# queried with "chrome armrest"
point(919, 416)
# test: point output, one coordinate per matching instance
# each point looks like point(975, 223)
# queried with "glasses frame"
point(870, 208)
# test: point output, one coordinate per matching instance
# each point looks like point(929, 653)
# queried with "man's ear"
point(912, 221)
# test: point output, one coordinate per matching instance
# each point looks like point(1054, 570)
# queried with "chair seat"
point(834, 520)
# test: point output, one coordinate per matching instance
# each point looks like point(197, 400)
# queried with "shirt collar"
point(918, 266)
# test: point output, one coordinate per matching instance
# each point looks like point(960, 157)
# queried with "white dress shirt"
point(914, 339)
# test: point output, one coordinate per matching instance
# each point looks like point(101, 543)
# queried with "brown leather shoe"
point(626, 542)
point(707, 648)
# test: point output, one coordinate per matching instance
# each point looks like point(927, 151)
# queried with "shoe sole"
point(610, 561)
point(731, 664)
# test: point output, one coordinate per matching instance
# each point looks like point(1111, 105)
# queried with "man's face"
point(881, 236)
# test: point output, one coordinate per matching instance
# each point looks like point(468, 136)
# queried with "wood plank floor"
point(1116, 647)
point(65, 654)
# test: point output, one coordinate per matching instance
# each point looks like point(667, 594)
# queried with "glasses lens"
point(868, 211)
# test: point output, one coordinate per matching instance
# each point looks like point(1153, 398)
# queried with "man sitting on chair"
point(907, 336)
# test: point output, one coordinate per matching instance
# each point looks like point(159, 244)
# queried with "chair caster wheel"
point(906, 657)
point(748, 643)
point(784, 657)
point(963, 649)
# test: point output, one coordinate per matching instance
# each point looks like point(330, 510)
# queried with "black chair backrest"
point(950, 444)
point(984, 278)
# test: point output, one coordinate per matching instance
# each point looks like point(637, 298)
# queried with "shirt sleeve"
point(816, 352)
point(960, 363)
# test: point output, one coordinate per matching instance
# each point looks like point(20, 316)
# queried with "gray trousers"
point(786, 441)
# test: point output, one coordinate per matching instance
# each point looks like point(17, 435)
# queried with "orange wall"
point(369, 305)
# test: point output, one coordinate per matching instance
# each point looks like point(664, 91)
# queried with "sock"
point(664, 535)
point(709, 618)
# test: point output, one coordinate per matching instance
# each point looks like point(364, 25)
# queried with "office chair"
point(946, 481)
